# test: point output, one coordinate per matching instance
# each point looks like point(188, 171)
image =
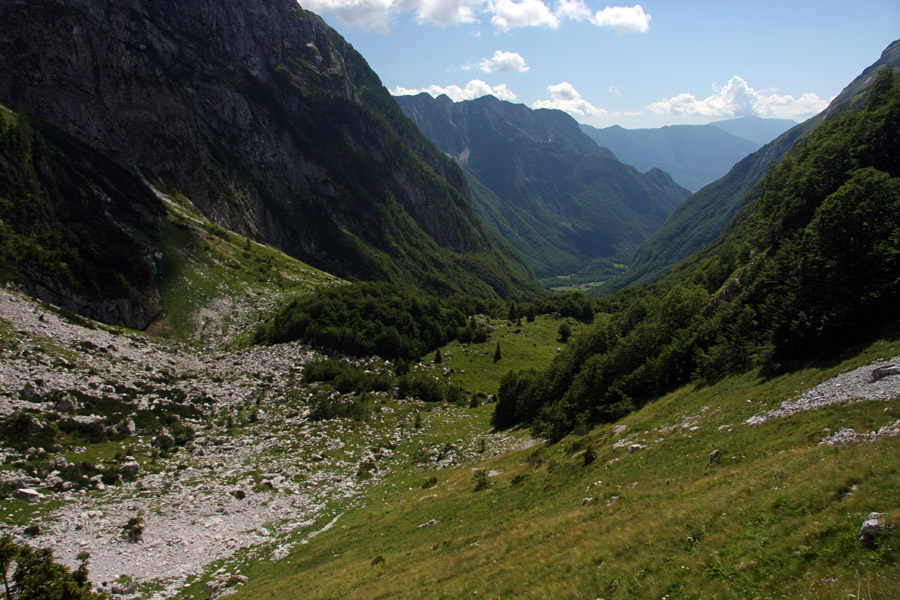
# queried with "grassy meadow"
point(628, 510)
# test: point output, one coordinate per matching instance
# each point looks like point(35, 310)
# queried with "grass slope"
point(216, 283)
point(776, 517)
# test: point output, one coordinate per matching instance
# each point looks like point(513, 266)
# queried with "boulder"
point(29, 494)
point(66, 403)
point(714, 456)
point(885, 371)
point(871, 529)
point(126, 427)
point(28, 392)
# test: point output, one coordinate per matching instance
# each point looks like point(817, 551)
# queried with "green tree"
point(565, 332)
point(437, 357)
point(497, 355)
point(8, 552)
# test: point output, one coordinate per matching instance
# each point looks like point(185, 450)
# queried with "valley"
point(271, 330)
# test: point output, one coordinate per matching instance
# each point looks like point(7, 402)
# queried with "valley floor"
point(749, 487)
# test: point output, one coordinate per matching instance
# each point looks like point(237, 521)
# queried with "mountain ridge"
point(564, 202)
point(269, 122)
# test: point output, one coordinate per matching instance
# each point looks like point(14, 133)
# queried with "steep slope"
point(562, 201)
point(809, 270)
point(700, 219)
point(76, 229)
point(694, 155)
point(268, 121)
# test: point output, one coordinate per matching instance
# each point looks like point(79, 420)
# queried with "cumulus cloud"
point(737, 99)
point(503, 62)
point(508, 14)
point(623, 19)
point(564, 96)
point(474, 89)
point(378, 15)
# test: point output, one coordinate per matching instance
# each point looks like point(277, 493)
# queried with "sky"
point(651, 64)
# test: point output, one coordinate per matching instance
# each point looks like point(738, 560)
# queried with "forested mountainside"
point(706, 214)
point(810, 269)
point(266, 120)
point(694, 155)
point(566, 204)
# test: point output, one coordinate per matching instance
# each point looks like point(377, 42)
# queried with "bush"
point(481, 480)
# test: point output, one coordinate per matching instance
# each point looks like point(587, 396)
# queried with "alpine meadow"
point(273, 325)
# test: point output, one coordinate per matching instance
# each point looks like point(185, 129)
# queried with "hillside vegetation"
point(812, 269)
point(707, 214)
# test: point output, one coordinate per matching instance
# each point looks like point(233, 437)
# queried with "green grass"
point(208, 272)
point(777, 517)
point(525, 346)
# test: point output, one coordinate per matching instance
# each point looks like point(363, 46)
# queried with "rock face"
point(258, 112)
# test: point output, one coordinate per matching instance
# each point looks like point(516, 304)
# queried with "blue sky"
point(635, 65)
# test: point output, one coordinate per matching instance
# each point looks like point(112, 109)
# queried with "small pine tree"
point(530, 314)
point(437, 357)
point(513, 312)
point(480, 477)
point(497, 355)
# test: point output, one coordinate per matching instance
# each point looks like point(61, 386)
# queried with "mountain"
point(706, 214)
point(694, 155)
point(563, 202)
point(808, 271)
point(267, 121)
point(756, 129)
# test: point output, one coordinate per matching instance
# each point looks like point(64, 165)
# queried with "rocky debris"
point(857, 385)
point(848, 435)
point(714, 456)
point(636, 448)
point(586, 501)
point(428, 524)
point(871, 529)
point(288, 470)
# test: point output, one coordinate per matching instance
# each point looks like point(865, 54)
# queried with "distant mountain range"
point(694, 155)
point(565, 203)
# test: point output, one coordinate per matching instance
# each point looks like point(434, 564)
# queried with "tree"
point(513, 312)
point(497, 355)
point(437, 356)
point(565, 332)
point(8, 552)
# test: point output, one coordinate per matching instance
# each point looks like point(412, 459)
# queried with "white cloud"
point(564, 96)
point(378, 15)
point(614, 90)
point(503, 62)
point(525, 13)
point(474, 89)
point(737, 99)
point(623, 19)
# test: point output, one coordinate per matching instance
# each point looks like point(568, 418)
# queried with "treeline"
point(386, 320)
point(812, 268)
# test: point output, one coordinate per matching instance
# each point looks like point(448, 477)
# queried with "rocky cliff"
point(265, 118)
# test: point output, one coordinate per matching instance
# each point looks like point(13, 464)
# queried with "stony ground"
point(257, 477)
